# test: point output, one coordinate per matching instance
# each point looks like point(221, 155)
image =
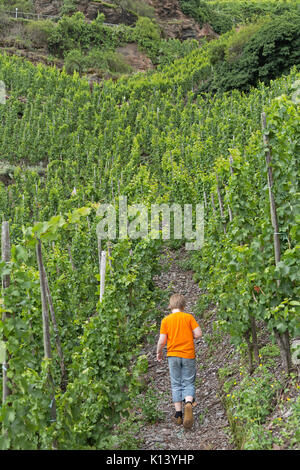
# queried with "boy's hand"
point(159, 356)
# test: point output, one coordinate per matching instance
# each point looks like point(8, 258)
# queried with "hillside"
point(97, 160)
point(168, 14)
point(259, 41)
point(169, 21)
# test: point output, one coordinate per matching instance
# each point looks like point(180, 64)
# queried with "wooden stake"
point(283, 339)
point(230, 164)
point(254, 339)
point(250, 351)
point(5, 250)
point(232, 173)
point(99, 261)
point(230, 213)
point(213, 203)
point(45, 316)
point(220, 203)
point(271, 195)
point(46, 329)
point(56, 333)
point(205, 199)
point(71, 258)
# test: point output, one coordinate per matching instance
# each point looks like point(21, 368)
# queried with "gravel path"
point(210, 429)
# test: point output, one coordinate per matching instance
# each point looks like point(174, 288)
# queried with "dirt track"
point(210, 429)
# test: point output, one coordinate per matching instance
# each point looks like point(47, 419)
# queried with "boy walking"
point(179, 329)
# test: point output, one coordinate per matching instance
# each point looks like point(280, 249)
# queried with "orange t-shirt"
point(179, 328)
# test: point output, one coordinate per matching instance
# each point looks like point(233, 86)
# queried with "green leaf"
point(281, 327)
point(4, 442)
point(57, 221)
point(282, 268)
point(11, 415)
point(74, 217)
point(21, 253)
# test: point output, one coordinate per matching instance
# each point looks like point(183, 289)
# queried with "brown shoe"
point(178, 420)
point(188, 416)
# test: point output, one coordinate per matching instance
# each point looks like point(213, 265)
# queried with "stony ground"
point(210, 429)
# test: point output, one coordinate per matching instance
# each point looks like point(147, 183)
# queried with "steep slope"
point(168, 14)
point(30, 39)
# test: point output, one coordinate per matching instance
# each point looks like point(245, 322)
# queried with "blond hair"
point(177, 301)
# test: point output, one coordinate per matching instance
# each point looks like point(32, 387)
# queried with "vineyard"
point(72, 363)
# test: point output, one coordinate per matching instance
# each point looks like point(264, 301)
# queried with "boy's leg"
point(178, 405)
point(175, 377)
point(188, 378)
point(188, 385)
point(176, 385)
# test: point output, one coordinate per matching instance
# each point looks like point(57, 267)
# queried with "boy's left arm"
point(160, 344)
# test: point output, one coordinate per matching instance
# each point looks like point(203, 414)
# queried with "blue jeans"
point(182, 375)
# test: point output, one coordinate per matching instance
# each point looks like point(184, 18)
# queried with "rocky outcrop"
point(168, 14)
point(113, 14)
point(175, 24)
point(47, 7)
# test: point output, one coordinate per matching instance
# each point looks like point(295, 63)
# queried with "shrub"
point(5, 21)
point(276, 47)
point(146, 32)
point(217, 51)
point(74, 61)
point(71, 33)
point(174, 49)
point(74, 32)
point(39, 31)
point(107, 60)
point(224, 15)
point(204, 12)
point(236, 43)
point(95, 59)
point(257, 53)
point(198, 9)
point(116, 62)
point(104, 60)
